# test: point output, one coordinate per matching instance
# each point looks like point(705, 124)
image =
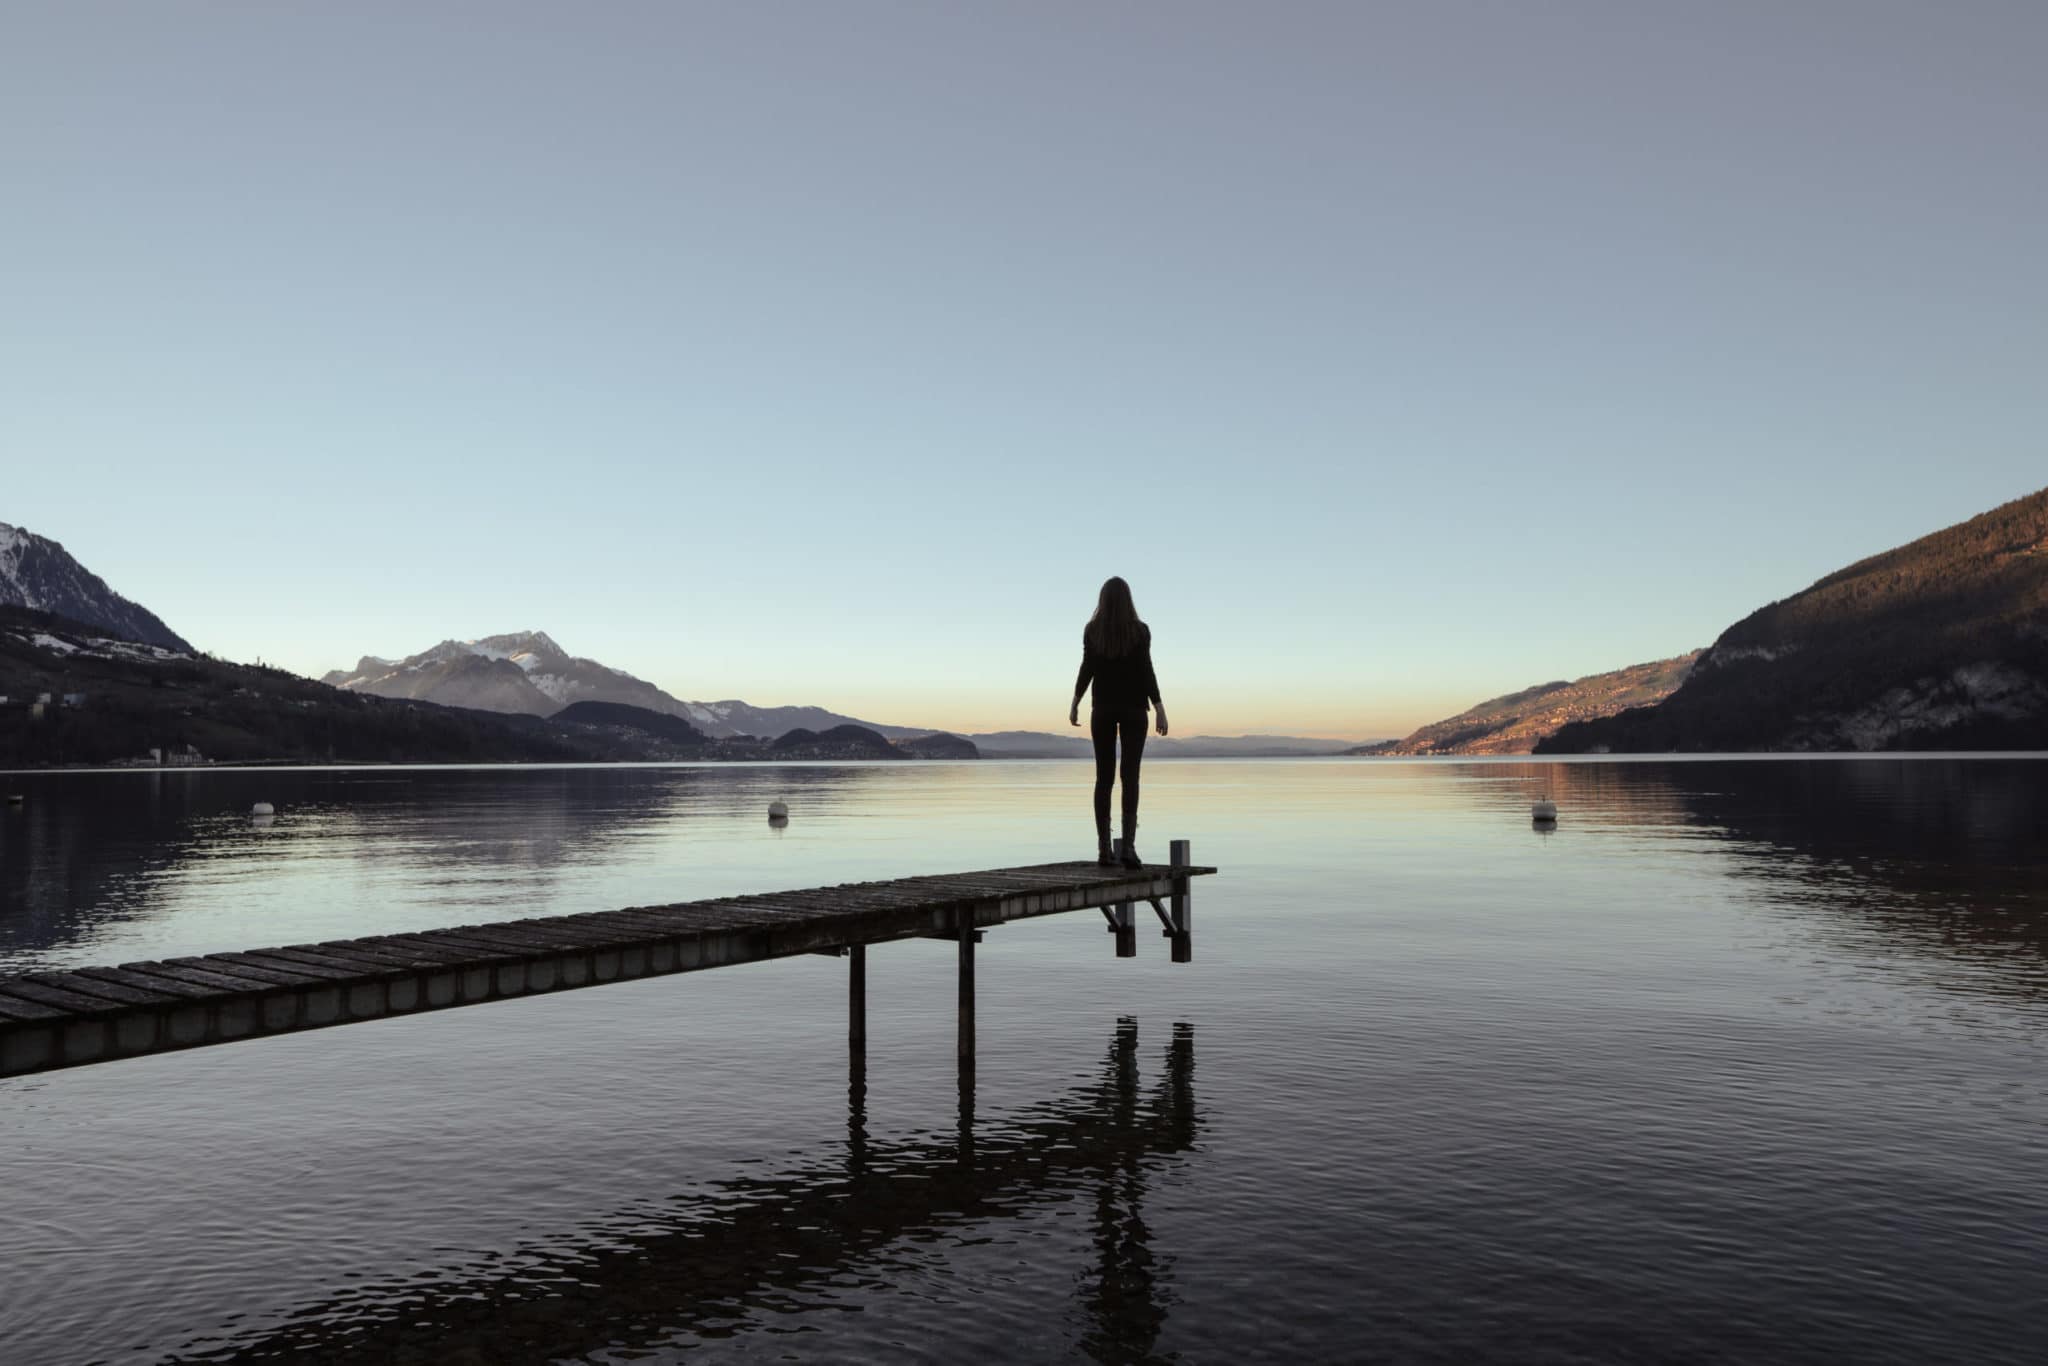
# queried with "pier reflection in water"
point(744, 1252)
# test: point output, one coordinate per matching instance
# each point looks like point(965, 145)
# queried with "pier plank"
point(270, 958)
point(375, 952)
point(166, 985)
point(57, 998)
point(13, 1008)
point(353, 964)
point(239, 965)
point(474, 950)
point(121, 993)
point(219, 981)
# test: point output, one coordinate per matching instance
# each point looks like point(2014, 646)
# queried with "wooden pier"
point(87, 1015)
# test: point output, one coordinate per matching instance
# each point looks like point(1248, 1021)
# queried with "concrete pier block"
point(231, 1020)
point(26, 1050)
point(319, 1005)
point(136, 1032)
point(85, 1041)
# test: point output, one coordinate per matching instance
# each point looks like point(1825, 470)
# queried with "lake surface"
point(1744, 1062)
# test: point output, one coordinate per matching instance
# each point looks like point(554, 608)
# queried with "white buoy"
point(1544, 811)
point(778, 811)
point(263, 809)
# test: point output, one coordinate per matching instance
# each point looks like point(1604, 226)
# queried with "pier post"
point(963, 924)
point(857, 997)
point(1183, 932)
point(1126, 927)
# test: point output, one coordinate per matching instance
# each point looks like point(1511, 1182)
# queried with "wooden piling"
point(1126, 926)
point(1183, 931)
point(857, 996)
point(963, 922)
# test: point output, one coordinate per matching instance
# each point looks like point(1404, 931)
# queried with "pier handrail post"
point(1183, 932)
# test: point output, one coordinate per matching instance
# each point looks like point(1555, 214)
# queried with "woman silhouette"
point(1116, 655)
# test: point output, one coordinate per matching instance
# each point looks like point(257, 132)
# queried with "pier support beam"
point(857, 997)
point(1183, 932)
point(963, 924)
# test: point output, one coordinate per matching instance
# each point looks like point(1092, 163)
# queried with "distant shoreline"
point(340, 765)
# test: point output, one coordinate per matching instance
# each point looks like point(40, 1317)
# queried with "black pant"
point(1103, 726)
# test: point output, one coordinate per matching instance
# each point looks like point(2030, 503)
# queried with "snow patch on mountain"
point(554, 685)
point(99, 647)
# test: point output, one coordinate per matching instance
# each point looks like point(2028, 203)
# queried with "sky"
point(1398, 355)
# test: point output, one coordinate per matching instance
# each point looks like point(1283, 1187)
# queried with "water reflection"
point(1943, 860)
point(90, 852)
point(745, 1253)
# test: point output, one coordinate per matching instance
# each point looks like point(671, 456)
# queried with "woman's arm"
point(1152, 689)
point(1081, 682)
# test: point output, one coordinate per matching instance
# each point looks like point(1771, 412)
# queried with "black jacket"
point(1123, 683)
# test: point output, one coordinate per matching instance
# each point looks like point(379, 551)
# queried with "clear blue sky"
point(1399, 355)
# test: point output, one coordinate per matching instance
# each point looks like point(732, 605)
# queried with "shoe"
point(1128, 849)
point(1103, 854)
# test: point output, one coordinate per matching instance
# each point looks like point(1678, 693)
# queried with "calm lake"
point(1744, 1062)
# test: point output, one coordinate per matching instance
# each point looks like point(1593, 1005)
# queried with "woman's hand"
point(1074, 713)
point(1159, 718)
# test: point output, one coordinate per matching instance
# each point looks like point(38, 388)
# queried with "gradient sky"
point(1399, 355)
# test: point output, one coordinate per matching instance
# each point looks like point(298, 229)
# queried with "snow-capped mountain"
point(524, 672)
point(37, 572)
point(528, 672)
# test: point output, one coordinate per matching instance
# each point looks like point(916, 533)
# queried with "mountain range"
point(1941, 643)
point(71, 694)
point(527, 673)
point(39, 574)
point(1516, 723)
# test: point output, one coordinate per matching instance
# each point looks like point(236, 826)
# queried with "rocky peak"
point(38, 573)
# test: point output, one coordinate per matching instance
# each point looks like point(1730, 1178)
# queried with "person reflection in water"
point(1116, 656)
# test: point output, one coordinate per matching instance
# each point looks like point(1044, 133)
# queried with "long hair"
point(1115, 629)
